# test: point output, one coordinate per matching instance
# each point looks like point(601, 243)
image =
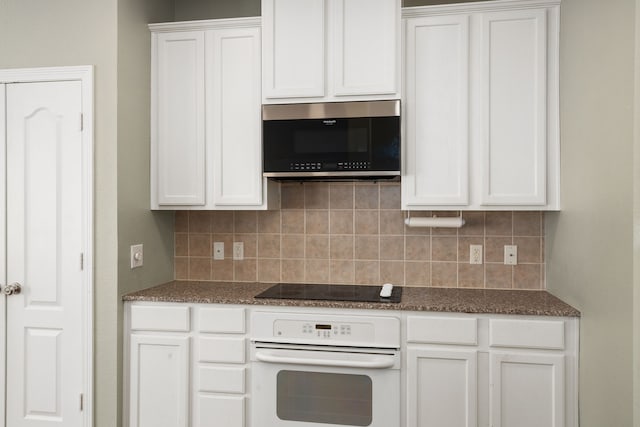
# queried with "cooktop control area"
point(314, 328)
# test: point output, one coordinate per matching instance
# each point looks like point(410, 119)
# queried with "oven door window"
point(325, 398)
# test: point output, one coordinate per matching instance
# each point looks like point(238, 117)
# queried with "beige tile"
point(245, 270)
point(292, 196)
point(222, 222)
point(464, 244)
point(494, 248)
point(341, 221)
point(527, 223)
point(269, 221)
point(529, 249)
point(527, 276)
point(417, 273)
point(181, 268)
point(292, 245)
point(222, 270)
point(246, 222)
point(200, 245)
point(367, 247)
point(444, 248)
point(316, 271)
point(390, 196)
point(498, 224)
point(499, 276)
point(417, 248)
point(317, 221)
point(199, 268)
point(392, 272)
point(199, 222)
point(181, 222)
point(444, 274)
point(227, 239)
point(341, 247)
point(316, 195)
point(392, 247)
point(392, 222)
point(473, 224)
point(293, 221)
point(292, 270)
point(250, 242)
point(317, 247)
point(367, 272)
point(366, 222)
point(269, 270)
point(470, 275)
point(341, 271)
point(366, 196)
point(181, 244)
point(268, 246)
point(341, 196)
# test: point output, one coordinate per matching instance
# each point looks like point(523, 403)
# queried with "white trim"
point(206, 24)
point(3, 254)
point(481, 6)
point(84, 74)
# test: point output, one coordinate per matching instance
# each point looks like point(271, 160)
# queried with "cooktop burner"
point(357, 293)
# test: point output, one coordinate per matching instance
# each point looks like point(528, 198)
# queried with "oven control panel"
point(348, 330)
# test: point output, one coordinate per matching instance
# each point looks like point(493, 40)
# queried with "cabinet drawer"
point(223, 350)
point(544, 334)
point(442, 330)
point(160, 318)
point(221, 379)
point(227, 411)
point(221, 320)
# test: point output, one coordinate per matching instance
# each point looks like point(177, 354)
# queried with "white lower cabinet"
point(498, 371)
point(186, 365)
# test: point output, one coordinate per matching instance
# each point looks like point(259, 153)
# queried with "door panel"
point(44, 246)
point(3, 271)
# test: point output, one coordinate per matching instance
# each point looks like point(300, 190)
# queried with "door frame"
point(83, 74)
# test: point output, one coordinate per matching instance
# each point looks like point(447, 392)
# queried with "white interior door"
point(45, 238)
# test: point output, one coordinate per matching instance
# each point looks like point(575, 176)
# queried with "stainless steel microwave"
point(358, 140)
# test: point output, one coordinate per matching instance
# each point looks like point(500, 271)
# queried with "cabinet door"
point(220, 411)
point(234, 116)
point(178, 137)
point(441, 388)
point(159, 375)
point(365, 46)
point(294, 48)
point(513, 114)
point(437, 102)
point(527, 390)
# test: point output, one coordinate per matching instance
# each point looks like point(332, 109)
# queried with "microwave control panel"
point(332, 166)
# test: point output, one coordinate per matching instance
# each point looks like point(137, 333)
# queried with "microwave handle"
point(375, 362)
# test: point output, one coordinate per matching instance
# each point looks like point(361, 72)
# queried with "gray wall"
point(590, 242)
point(112, 37)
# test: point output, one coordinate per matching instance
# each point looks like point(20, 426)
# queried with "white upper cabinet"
point(206, 150)
point(178, 109)
point(481, 106)
point(330, 50)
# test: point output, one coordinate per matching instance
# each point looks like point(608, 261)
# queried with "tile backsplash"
point(354, 233)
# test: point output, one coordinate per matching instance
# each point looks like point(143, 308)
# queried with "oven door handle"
point(371, 362)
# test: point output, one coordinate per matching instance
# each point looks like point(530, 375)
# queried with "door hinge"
point(81, 261)
point(81, 402)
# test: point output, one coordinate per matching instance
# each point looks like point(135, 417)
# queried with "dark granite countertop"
point(536, 303)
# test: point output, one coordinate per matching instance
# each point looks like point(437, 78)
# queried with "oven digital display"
point(323, 327)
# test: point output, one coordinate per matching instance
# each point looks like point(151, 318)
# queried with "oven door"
point(320, 388)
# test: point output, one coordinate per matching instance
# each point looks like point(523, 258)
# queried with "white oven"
point(324, 371)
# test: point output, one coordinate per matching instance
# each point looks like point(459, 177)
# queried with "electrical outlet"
point(510, 254)
point(475, 254)
point(218, 250)
point(238, 251)
point(137, 256)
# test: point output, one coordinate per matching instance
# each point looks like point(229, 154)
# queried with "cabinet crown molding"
point(205, 24)
point(484, 6)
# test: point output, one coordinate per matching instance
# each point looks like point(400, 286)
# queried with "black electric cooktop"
point(356, 293)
